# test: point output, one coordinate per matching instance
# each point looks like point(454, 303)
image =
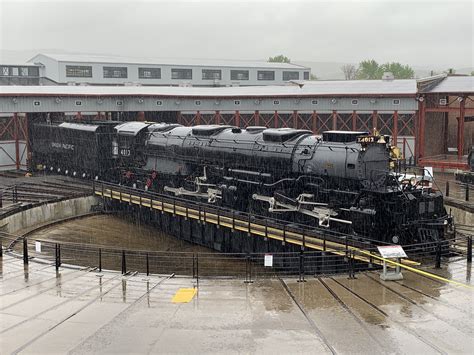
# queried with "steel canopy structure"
point(403, 109)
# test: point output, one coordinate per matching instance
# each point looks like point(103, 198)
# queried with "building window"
point(15, 71)
point(5, 71)
point(115, 72)
point(314, 102)
point(306, 75)
point(396, 101)
point(78, 71)
point(237, 102)
point(181, 74)
point(24, 71)
point(265, 75)
point(291, 75)
point(239, 75)
point(149, 73)
point(159, 103)
point(211, 74)
point(355, 102)
point(276, 102)
point(33, 71)
point(197, 103)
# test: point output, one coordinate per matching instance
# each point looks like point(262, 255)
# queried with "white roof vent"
point(388, 76)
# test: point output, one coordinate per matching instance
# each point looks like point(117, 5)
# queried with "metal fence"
point(247, 266)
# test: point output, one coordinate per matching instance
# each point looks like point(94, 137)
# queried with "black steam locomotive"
point(343, 180)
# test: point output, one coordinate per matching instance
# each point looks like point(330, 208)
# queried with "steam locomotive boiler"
point(341, 180)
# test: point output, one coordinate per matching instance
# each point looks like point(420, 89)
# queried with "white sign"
point(392, 251)
point(38, 246)
point(268, 260)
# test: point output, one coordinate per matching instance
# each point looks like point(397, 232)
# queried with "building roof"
point(93, 58)
point(310, 88)
point(454, 84)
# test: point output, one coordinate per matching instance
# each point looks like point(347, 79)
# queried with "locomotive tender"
point(342, 180)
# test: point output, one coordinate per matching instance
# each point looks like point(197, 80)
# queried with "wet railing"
point(247, 266)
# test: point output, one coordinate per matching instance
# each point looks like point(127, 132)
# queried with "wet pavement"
point(79, 310)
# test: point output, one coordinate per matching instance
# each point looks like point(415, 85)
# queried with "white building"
point(63, 69)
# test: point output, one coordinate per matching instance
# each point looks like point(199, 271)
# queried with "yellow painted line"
point(421, 272)
point(184, 295)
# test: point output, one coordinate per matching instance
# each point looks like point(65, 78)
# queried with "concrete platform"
point(82, 311)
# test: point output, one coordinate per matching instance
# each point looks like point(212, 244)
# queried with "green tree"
point(398, 70)
point(369, 70)
point(279, 59)
point(472, 73)
point(313, 77)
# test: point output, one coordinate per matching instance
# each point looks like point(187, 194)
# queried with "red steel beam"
point(421, 132)
point(17, 140)
point(462, 109)
point(468, 110)
point(395, 128)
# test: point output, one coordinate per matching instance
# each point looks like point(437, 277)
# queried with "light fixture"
point(217, 102)
point(15, 100)
point(297, 101)
point(58, 100)
point(421, 98)
point(333, 101)
point(140, 100)
point(257, 102)
point(460, 99)
point(100, 101)
point(177, 102)
point(373, 101)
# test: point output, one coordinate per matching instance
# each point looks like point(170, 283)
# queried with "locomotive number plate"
point(366, 139)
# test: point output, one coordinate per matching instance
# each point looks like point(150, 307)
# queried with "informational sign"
point(268, 260)
point(38, 247)
point(392, 251)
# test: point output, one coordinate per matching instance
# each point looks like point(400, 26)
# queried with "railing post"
point(57, 252)
point(438, 256)
point(197, 269)
point(124, 263)
point(100, 260)
point(25, 251)
point(194, 265)
point(301, 268)
point(469, 249)
point(447, 189)
point(467, 192)
point(248, 270)
point(147, 265)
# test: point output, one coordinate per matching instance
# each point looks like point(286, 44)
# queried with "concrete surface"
point(83, 311)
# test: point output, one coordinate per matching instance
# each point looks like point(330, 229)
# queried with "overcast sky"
point(419, 33)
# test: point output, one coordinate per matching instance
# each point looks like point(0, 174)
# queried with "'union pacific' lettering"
point(62, 146)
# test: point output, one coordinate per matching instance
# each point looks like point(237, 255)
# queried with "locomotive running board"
point(322, 214)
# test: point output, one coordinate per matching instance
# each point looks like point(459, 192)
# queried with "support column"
point(275, 119)
point(314, 121)
point(16, 133)
point(295, 119)
point(462, 109)
point(395, 128)
point(257, 118)
point(334, 120)
point(421, 129)
point(374, 120)
point(353, 119)
point(237, 118)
